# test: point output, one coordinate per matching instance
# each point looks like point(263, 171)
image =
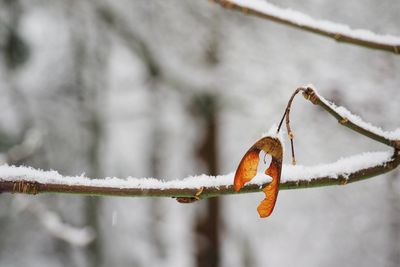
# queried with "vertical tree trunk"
point(93, 204)
point(91, 84)
point(14, 52)
point(154, 77)
point(207, 226)
point(394, 220)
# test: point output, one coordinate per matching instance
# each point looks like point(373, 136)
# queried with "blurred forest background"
point(174, 88)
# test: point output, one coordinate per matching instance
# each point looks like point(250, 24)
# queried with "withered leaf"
point(247, 169)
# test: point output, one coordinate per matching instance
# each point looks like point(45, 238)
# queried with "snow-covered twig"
point(353, 122)
point(348, 170)
point(31, 181)
point(339, 32)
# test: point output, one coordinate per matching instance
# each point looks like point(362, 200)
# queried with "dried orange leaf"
point(247, 169)
point(271, 191)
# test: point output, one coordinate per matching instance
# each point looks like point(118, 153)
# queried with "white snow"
point(75, 236)
point(391, 135)
point(12, 173)
point(52, 222)
point(343, 166)
point(301, 19)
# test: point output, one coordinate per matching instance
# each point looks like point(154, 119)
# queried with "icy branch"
point(339, 32)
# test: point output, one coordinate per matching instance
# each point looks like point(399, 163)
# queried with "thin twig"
point(32, 187)
point(286, 115)
point(311, 95)
point(289, 130)
point(337, 36)
point(28, 187)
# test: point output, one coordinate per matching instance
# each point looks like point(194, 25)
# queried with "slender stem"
point(356, 176)
point(338, 36)
point(286, 115)
point(310, 94)
point(287, 110)
point(289, 130)
point(27, 187)
point(280, 123)
point(292, 147)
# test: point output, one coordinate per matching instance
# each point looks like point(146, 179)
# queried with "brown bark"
point(207, 226)
point(337, 36)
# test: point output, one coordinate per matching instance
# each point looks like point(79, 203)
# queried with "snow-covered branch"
point(353, 122)
point(339, 32)
point(347, 170)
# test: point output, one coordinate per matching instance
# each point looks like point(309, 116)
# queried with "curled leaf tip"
point(264, 208)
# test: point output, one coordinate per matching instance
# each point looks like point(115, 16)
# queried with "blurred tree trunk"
point(154, 77)
point(93, 204)
point(394, 220)
point(90, 63)
point(205, 105)
point(92, 104)
point(15, 52)
point(207, 225)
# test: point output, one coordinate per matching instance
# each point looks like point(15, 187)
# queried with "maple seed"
point(247, 169)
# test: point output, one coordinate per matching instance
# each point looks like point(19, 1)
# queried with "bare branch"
point(338, 32)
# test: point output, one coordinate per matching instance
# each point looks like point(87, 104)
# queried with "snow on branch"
point(339, 32)
point(32, 181)
point(353, 122)
point(347, 170)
